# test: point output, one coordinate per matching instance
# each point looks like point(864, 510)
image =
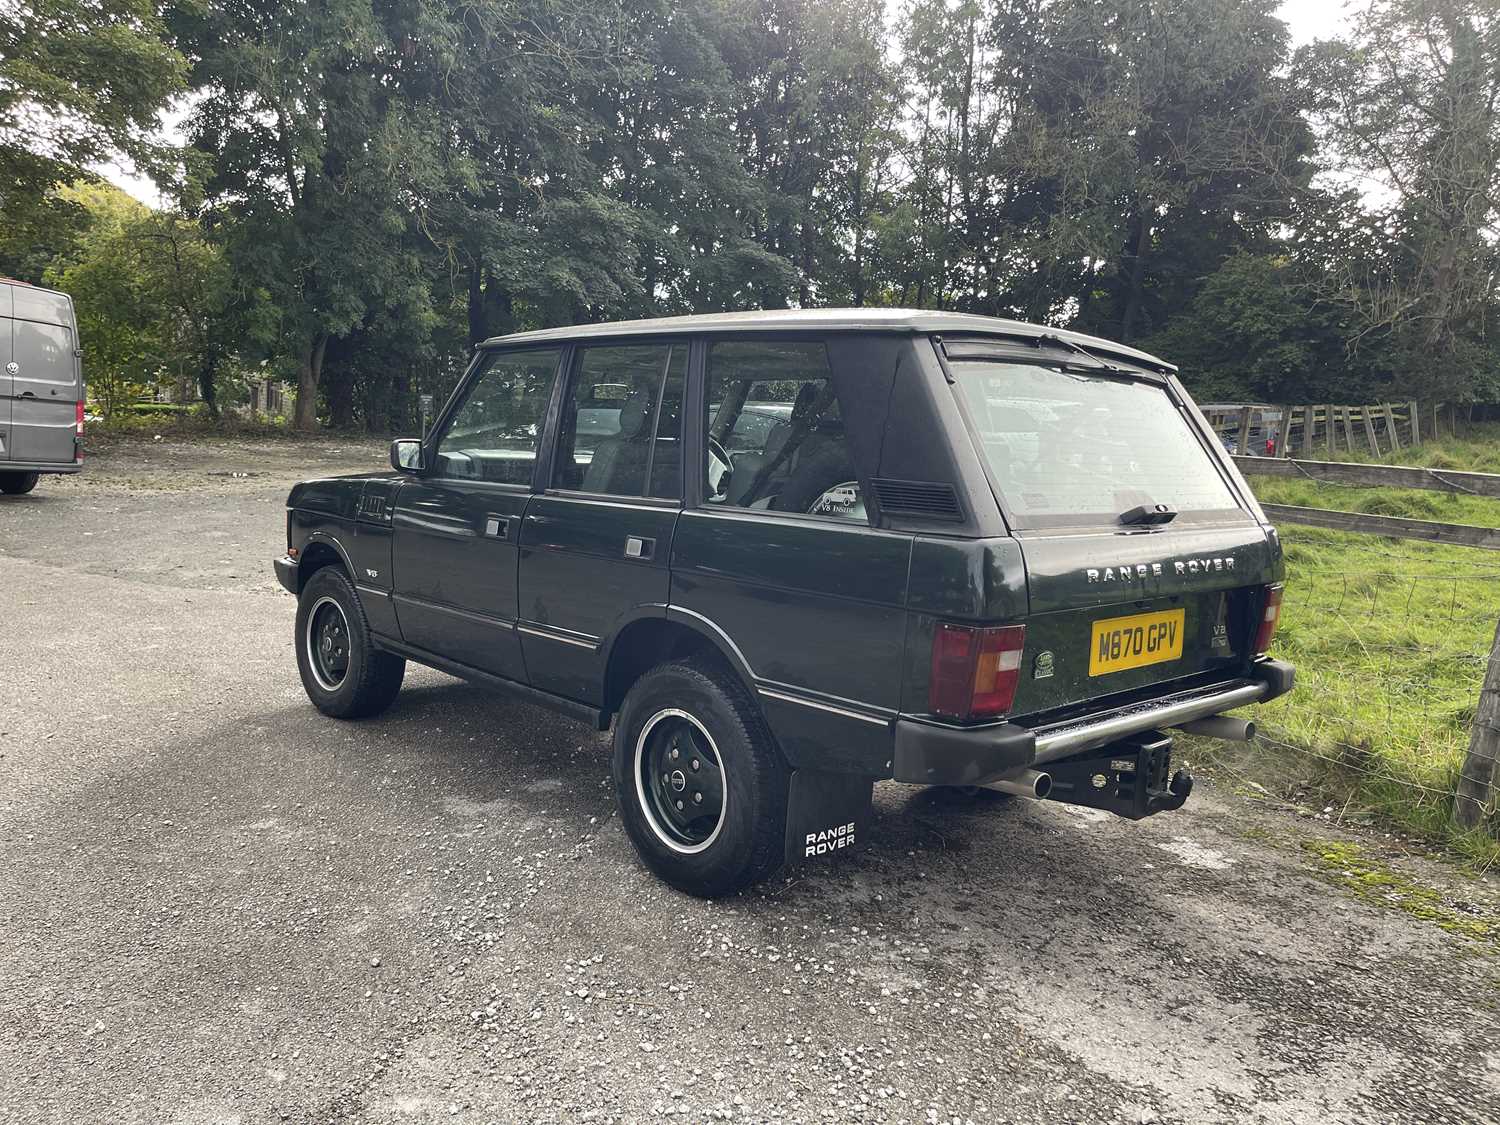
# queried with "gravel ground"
point(217, 905)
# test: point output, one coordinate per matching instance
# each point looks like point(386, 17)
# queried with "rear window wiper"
point(1062, 342)
point(1149, 515)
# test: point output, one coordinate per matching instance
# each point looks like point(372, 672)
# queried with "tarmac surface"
point(217, 905)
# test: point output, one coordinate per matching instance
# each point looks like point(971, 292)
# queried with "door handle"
point(639, 547)
point(497, 527)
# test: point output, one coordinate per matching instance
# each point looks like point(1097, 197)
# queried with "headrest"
point(635, 412)
point(802, 408)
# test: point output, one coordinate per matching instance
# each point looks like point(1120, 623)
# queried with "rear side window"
point(776, 439)
point(1069, 448)
point(621, 425)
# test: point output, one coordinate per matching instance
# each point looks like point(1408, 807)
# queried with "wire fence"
point(1390, 667)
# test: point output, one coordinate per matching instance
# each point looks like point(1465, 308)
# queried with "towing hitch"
point(1128, 778)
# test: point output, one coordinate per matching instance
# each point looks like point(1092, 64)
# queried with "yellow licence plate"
point(1134, 642)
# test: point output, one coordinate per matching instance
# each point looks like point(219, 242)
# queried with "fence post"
point(1284, 434)
point(1329, 437)
point(1476, 778)
point(1365, 412)
point(1390, 422)
point(1416, 428)
point(1346, 416)
point(1243, 445)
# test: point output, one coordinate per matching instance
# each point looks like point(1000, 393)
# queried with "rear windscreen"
point(1067, 447)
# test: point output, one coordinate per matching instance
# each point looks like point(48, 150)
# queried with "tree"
point(1411, 101)
point(80, 80)
point(201, 322)
point(118, 325)
point(309, 153)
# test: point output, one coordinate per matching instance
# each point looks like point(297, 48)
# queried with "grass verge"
point(1391, 639)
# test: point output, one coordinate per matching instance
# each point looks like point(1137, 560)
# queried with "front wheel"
point(701, 785)
point(18, 484)
point(343, 673)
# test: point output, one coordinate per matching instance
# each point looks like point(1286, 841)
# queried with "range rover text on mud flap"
point(789, 554)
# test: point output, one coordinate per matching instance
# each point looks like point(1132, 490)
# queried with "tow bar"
point(1129, 778)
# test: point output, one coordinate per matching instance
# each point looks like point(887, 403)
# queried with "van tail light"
point(975, 671)
point(78, 430)
point(1270, 615)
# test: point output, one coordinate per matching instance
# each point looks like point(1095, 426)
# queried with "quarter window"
point(622, 423)
point(493, 435)
point(776, 439)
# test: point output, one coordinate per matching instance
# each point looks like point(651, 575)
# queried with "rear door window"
point(621, 427)
point(776, 439)
point(1068, 447)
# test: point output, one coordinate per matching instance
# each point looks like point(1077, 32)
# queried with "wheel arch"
point(322, 550)
point(646, 641)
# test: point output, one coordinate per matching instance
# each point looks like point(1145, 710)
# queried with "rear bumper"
point(41, 466)
point(286, 573)
point(932, 754)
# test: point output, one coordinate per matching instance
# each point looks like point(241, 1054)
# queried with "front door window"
point(493, 435)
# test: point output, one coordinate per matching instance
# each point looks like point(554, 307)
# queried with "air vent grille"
point(926, 499)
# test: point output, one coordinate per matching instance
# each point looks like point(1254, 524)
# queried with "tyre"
point(344, 674)
point(701, 784)
point(17, 484)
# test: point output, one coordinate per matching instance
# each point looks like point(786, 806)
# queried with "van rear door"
point(1146, 562)
point(44, 381)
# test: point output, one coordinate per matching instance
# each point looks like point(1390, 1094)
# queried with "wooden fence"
point(1261, 429)
point(1380, 476)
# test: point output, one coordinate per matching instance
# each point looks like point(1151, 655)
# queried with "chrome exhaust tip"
point(1220, 726)
point(1032, 784)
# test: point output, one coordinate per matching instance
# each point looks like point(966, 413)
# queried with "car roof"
point(830, 320)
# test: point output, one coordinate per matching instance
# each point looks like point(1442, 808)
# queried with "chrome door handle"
point(497, 527)
point(639, 547)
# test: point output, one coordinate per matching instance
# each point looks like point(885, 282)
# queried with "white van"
point(41, 386)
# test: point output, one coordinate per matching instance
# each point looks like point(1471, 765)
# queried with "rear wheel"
point(701, 785)
point(17, 484)
point(343, 673)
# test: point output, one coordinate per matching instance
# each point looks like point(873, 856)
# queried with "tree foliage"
point(371, 187)
point(80, 82)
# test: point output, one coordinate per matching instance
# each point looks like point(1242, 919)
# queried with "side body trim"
point(569, 707)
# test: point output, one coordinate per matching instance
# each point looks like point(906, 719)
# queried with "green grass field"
point(1390, 638)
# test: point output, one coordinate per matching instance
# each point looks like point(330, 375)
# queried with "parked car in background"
point(789, 554)
point(41, 386)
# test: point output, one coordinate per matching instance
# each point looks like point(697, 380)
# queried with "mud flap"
point(827, 814)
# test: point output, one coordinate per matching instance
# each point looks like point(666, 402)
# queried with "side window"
point(776, 439)
point(622, 422)
point(493, 436)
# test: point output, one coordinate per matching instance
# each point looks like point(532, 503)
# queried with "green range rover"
point(790, 554)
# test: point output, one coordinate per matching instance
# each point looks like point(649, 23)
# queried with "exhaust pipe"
point(1221, 726)
point(1028, 783)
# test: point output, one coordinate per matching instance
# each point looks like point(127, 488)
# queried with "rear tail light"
point(975, 671)
point(1269, 616)
point(78, 430)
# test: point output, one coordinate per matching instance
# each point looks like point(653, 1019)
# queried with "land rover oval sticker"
point(1041, 667)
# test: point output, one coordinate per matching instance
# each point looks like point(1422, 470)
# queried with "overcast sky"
point(1308, 20)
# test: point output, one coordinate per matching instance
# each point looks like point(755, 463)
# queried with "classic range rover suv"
point(790, 554)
